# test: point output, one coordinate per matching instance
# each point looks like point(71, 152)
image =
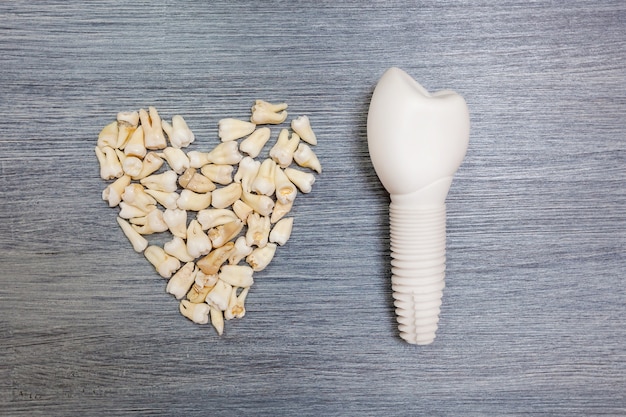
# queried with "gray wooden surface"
point(533, 318)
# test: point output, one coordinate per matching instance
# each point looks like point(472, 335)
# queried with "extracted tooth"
point(167, 200)
point(132, 165)
point(150, 223)
point(134, 194)
point(240, 251)
point(220, 235)
point(302, 126)
point(135, 145)
point(262, 204)
point(263, 183)
point(253, 144)
point(305, 157)
point(176, 220)
point(108, 136)
point(281, 231)
point(176, 159)
point(303, 180)
point(209, 218)
point(226, 196)
point(139, 242)
point(165, 264)
point(112, 194)
point(194, 181)
point(219, 296)
point(178, 249)
point(280, 210)
point(178, 132)
point(161, 182)
point(231, 129)
point(127, 122)
point(189, 200)
point(196, 312)
point(258, 230)
point(198, 243)
point(242, 210)
point(282, 151)
point(182, 280)
point(129, 211)
point(217, 319)
point(110, 166)
point(236, 308)
point(218, 173)
point(151, 163)
point(212, 262)
point(247, 172)
point(237, 275)
point(260, 258)
point(152, 129)
point(267, 113)
point(202, 285)
point(286, 191)
point(226, 153)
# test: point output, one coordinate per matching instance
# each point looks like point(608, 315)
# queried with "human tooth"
point(176, 220)
point(217, 319)
point(305, 157)
point(282, 151)
point(236, 308)
point(236, 275)
point(286, 191)
point(167, 200)
point(127, 122)
point(247, 171)
point(189, 200)
point(178, 132)
point(209, 218)
point(176, 159)
point(211, 263)
point(280, 210)
point(152, 129)
point(198, 243)
point(263, 183)
point(194, 181)
point(267, 113)
point(281, 231)
point(231, 129)
point(226, 153)
point(182, 280)
point(240, 251)
point(242, 210)
point(253, 144)
point(135, 145)
point(226, 196)
point(219, 296)
point(303, 180)
point(129, 211)
point(196, 312)
point(108, 136)
point(161, 182)
point(132, 165)
point(151, 163)
point(219, 173)
point(202, 285)
point(165, 264)
point(258, 230)
point(262, 204)
point(150, 223)
point(112, 194)
point(302, 126)
point(139, 242)
point(136, 195)
point(110, 166)
point(260, 258)
point(178, 249)
point(220, 235)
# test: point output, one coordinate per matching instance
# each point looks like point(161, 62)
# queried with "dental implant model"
point(417, 141)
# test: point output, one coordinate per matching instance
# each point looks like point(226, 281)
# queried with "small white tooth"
point(263, 183)
point(266, 113)
point(286, 191)
point(108, 136)
point(176, 220)
point(213, 217)
point(231, 129)
point(217, 319)
point(112, 194)
point(305, 157)
point(190, 200)
point(236, 308)
point(167, 200)
point(273, 107)
point(132, 165)
point(226, 153)
point(240, 251)
point(129, 211)
point(110, 166)
point(127, 122)
point(236, 275)
point(196, 312)
point(280, 210)
point(253, 144)
point(178, 249)
point(139, 242)
point(258, 230)
point(198, 243)
point(218, 173)
point(226, 196)
point(178, 132)
point(195, 181)
point(222, 234)
point(151, 163)
point(165, 181)
point(262, 204)
point(150, 223)
point(165, 264)
point(176, 159)
point(246, 172)
point(219, 296)
point(152, 129)
point(135, 145)
point(281, 231)
point(302, 126)
point(260, 258)
point(303, 180)
point(182, 280)
point(282, 151)
point(135, 195)
point(242, 210)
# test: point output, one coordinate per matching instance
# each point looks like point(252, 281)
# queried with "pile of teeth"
point(225, 210)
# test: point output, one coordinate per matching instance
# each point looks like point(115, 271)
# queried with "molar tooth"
point(231, 129)
point(253, 144)
point(286, 191)
point(217, 319)
point(203, 284)
point(225, 154)
point(190, 200)
point(305, 157)
point(219, 296)
point(246, 172)
point(182, 280)
point(178, 249)
point(258, 230)
point(110, 166)
point(176, 220)
point(264, 182)
point(196, 312)
point(132, 165)
point(113, 192)
point(262, 204)
point(266, 113)
point(152, 129)
point(127, 122)
point(281, 231)
point(219, 173)
point(282, 151)
point(198, 243)
point(302, 126)
point(236, 275)
point(178, 132)
point(108, 136)
point(136, 195)
point(151, 163)
point(260, 258)
point(220, 235)
point(303, 180)
point(129, 211)
point(226, 196)
point(242, 210)
point(236, 308)
point(165, 264)
point(161, 182)
point(176, 159)
point(135, 145)
point(150, 223)
point(212, 262)
point(167, 200)
point(240, 251)
point(280, 210)
point(210, 218)
point(139, 242)
point(275, 108)
point(194, 181)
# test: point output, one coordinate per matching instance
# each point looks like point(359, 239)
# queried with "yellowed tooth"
point(132, 165)
point(246, 172)
point(262, 204)
point(240, 251)
point(253, 144)
point(236, 275)
point(258, 230)
point(217, 319)
point(176, 159)
point(212, 262)
point(236, 308)
point(218, 173)
point(261, 257)
point(213, 217)
point(112, 194)
point(226, 153)
point(226, 196)
point(108, 136)
point(266, 113)
point(196, 182)
point(167, 200)
point(135, 145)
point(135, 195)
point(139, 242)
point(110, 165)
point(282, 151)
point(286, 191)
point(182, 280)
point(165, 181)
point(152, 129)
point(178, 132)
point(165, 264)
point(127, 122)
point(280, 210)
point(220, 235)
point(196, 312)
point(203, 284)
point(151, 163)
point(231, 129)
point(219, 296)
point(242, 210)
point(263, 183)
point(189, 200)
point(129, 211)
point(302, 126)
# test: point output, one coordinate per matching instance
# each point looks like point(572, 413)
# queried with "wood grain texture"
point(533, 320)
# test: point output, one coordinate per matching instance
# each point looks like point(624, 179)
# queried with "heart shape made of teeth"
point(224, 209)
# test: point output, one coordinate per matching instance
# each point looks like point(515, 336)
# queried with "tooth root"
point(110, 166)
point(242, 210)
point(282, 151)
point(303, 180)
point(196, 312)
point(258, 230)
point(108, 136)
point(306, 158)
point(135, 145)
point(139, 242)
point(281, 231)
point(218, 173)
point(213, 217)
point(253, 144)
point(237, 275)
point(286, 191)
point(151, 163)
point(112, 194)
point(167, 200)
point(176, 159)
point(280, 210)
point(190, 200)
point(231, 129)
point(182, 280)
point(302, 126)
point(264, 182)
point(217, 320)
point(165, 182)
point(212, 262)
point(176, 220)
point(198, 243)
point(260, 258)
point(226, 196)
point(220, 235)
point(178, 249)
point(165, 264)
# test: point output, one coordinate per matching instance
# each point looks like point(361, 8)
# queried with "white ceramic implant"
point(417, 141)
